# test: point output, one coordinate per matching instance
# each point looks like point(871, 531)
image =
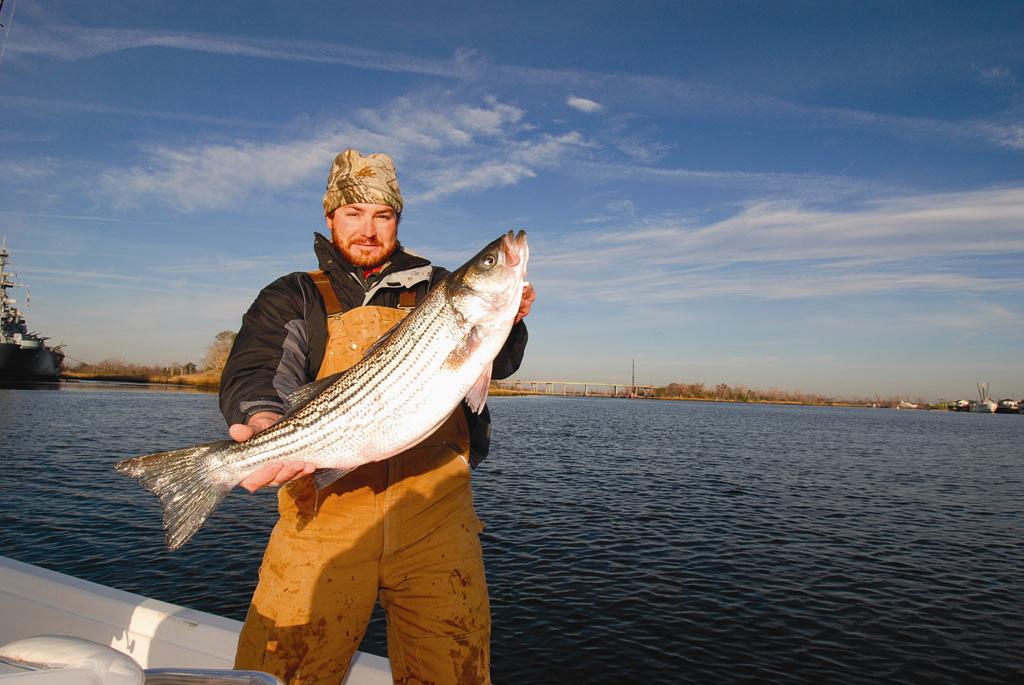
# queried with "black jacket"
point(281, 343)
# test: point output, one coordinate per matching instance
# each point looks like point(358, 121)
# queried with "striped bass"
point(419, 372)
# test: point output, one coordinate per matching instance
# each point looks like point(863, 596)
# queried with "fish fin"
point(464, 350)
point(477, 396)
point(324, 477)
point(300, 397)
point(185, 483)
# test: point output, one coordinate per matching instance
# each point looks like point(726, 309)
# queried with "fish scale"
point(397, 395)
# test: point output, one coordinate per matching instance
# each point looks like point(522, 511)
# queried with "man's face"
point(366, 234)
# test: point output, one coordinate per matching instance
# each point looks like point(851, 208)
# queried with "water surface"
point(626, 540)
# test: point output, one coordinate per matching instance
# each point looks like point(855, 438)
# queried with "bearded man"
point(402, 532)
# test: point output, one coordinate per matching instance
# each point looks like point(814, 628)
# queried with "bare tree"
point(217, 352)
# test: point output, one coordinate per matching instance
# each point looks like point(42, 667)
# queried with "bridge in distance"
point(583, 388)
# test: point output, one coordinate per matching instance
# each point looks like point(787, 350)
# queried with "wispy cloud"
point(479, 177)
point(584, 104)
point(788, 184)
point(680, 96)
point(107, 280)
point(27, 169)
point(620, 211)
point(506, 164)
point(973, 318)
point(163, 280)
point(69, 217)
point(430, 123)
point(998, 77)
point(205, 177)
point(217, 265)
point(27, 103)
point(445, 147)
point(794, 251)
point(76, 43)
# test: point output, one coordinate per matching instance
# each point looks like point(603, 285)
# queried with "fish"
point(439, 355)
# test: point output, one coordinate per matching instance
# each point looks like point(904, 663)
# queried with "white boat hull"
point(155, 634)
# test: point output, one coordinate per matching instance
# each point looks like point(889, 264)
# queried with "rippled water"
point(626, 541)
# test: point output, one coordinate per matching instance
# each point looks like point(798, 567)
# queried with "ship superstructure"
point(23, 353)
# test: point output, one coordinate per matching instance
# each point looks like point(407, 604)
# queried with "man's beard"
point(358, 256)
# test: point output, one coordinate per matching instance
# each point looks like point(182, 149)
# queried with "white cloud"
point(1009, 135)
point(476, 178)
point(433, 122)
point(584, 105)
point(215, 176)
point(505, 165)
point(489, 120)
point(793, 251)
point(222, 174)
point(549, 149)
point(644, 151)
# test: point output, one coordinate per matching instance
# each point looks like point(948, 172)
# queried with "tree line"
point(741, 393)
point(116, 367)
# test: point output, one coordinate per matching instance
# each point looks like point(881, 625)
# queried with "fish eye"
point(489, 261)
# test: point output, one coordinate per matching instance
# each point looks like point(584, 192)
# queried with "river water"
point(626, 541)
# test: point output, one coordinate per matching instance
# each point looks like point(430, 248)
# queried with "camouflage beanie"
point(355, 178)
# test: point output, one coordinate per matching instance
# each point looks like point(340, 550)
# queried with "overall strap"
point(330, 298)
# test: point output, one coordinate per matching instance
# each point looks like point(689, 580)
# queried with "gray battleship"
point(24, 355)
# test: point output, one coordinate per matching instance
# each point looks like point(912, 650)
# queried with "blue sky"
point(825, 197)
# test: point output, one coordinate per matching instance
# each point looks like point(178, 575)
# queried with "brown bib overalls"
point(402, 531)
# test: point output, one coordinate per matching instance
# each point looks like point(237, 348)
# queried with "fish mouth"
point(513, 246)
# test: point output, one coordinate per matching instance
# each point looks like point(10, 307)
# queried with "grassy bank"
point(195, 380)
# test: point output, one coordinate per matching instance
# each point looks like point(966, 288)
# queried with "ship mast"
point(10, 318)
point(25, 354)
point(5, 283)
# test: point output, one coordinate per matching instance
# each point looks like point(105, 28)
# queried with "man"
point(402, 531)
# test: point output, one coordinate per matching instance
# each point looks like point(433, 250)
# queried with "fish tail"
point(186, 483)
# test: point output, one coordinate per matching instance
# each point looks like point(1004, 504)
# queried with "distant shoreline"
point(211, 382)
point(499, 392)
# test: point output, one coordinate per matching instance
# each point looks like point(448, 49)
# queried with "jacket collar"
point(330, 259)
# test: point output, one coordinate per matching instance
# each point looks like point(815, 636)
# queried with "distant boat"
point(23, 355)
point(984, 405)
point(1008, 407)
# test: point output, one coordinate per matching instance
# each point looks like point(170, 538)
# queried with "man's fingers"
point(262, 476)
point(263, 423)
point(529, 295)
point(290, 470)
point(276, 474)
point(239, 432)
